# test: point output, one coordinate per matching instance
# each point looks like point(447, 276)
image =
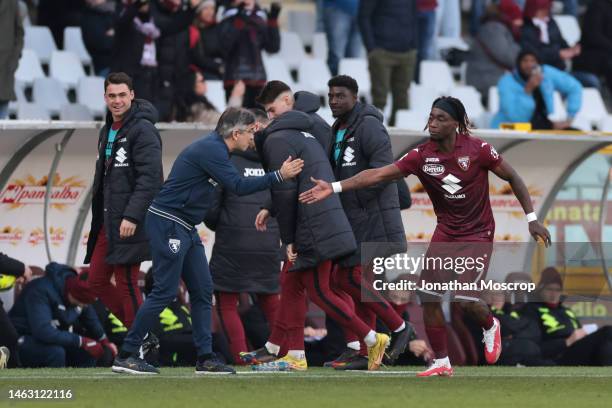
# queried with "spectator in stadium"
point(8, 335)
point(526, 94)
point(243, 259)
point(390, 33)
point(191, 104)
point(245, 32)
point(315, 238)
point(342, 31)
point(11, 44)
point(57, 15)
point(183, 202)
point(134, 50)
point(97, 28)
point(128, 174)
point(426, 17)
point(361, 142)
point(541, 34)
point(563, 338)
point(43, 315)
point(204, 45)
point(596, 41)
point(494, 49)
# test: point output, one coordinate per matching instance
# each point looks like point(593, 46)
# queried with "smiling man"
point(183, 202)
point(128, 174)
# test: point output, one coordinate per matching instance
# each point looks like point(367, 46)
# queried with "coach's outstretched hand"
point(537, 230)
point(291, 168)
point(320, 191)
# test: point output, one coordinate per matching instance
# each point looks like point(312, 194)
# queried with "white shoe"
point(440, 367)
point(5, 354)
point(492, 341)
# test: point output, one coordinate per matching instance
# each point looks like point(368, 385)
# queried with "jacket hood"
point(360, 111)
point(58, 273)
point(292, 120)
point(141, 109)
point(250, 154)
point(306, 102)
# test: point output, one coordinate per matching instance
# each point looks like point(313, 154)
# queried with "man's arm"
point(39, 319)
point(363, 179)
point(366, 9)
point(507, 173)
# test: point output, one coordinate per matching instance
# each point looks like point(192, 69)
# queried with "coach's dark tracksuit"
point(373, 212)
point(319, 232)
point(176, 248)
point(8, 334)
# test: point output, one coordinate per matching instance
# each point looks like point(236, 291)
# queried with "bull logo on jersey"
point(174, 245)
point(464, 162)
point(434, 169)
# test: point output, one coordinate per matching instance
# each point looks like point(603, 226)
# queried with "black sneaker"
point(347, 355)
point(356, 363)
point(149, 350)
point(259, 356)
point(399, 342)
point(133, 365)
point(213, 366)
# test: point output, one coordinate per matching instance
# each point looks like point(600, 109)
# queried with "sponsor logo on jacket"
point(349, 157)
point(250, 172)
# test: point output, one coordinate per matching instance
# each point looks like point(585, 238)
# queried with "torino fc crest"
point(174, 245)
point(464, 162)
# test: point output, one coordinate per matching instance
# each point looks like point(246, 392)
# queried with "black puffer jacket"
point(388, 24)
point(310, 103)
point(243, 259)
point(318, 231)
point(243, 37)
point(548, 52)
point(374, 212)
point(125, 186)
point(596, 40)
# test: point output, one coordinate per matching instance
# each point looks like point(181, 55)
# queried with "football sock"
point(272, 348)
point(370, 338)
point(297, 354)
point(354, 345)
point(438, 340)
point(399, 329)
point(489, 322)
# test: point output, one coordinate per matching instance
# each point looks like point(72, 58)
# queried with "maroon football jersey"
point(457, 183)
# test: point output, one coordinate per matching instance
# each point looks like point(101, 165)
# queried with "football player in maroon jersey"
point(453, 167)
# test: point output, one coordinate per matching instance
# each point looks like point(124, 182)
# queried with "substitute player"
point(458, 187)
point(177, 250)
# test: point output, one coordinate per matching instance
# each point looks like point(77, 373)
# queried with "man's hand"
point(291, 254)
point(126, 229)
point(534, 81)
point(291, 168)
point(575, 336)
point(561, 124)
point(261, 221)
point(539, 231)
point(27, 275)
point(92, 347)
point(275, 9)
point(320, 191)
point(420, 349)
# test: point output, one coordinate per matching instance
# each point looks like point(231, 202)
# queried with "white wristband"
point(531, 217)
point(337, 187)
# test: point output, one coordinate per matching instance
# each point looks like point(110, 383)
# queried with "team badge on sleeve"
point(494, 153)
point(464, 162)
point(174, 245)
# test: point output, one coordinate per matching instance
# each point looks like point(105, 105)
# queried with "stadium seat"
point(66, 67)
point(436, 75)
point(472, 101)
point(276, 68)
point(569, 27)
point(303, 23)
point(29, 68)
point(593, 107)
point(32, 111)
point(73, 41)
point(582, 123)
point(215, 93)
point(319, 46)
point(358, 69)
point(327, 115)
point(559, 112)
point(75, 112)
point(292, 49)
point(90, 93)
point(605, 125)
point(313, 75)
point(40, 40)
point(411, 120)
point(21, 97)
point(421, 97)
point(493, 104)
point(49, 94)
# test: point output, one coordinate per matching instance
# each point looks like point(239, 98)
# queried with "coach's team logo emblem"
point(174, 244)
point(434, 169)
point(464, 162)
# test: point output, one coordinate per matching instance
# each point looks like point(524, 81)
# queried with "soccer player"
point(316, 236)
point(177, 250)
point(458, 187)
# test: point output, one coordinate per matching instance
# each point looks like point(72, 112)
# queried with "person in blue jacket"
point(526, 94)
point(44, 313)
point(185, 198)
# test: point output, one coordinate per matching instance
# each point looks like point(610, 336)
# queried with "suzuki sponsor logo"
point(349, 156)
point(121, 157)
point(434, 169)
point(451, 184)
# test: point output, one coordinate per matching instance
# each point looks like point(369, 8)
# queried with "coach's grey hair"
point(232, 119)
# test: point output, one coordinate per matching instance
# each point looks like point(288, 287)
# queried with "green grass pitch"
point(493, 387)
